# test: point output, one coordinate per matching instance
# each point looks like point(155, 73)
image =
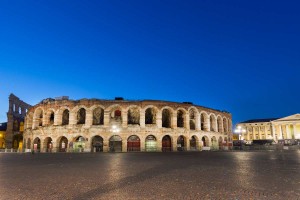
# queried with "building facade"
point(92, 125)
point(287, 128)
point(3, 127)
point(15, 122)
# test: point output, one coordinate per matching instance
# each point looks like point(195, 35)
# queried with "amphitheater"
point(94, 125)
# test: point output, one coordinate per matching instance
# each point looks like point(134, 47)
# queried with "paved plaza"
point(174, 175)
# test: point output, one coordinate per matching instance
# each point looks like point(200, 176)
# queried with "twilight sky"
point(239, 56)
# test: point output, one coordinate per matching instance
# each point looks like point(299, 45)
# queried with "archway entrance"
point(166, 143)
point(181, 143)
point(133, 143)
point(79, 144)
point(37, 144)
point(193, 143)
point(63, 144)
point(214, 143)
point(28, 145)
point(97, 144)
point(220, 143)
point(205, 141)
point(48, 144)
point(115, 144)
point(150, 143)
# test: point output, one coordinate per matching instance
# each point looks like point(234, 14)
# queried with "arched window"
point(133, 116)
point(98, 116)
point(150, 116)
point(180, 118)
point(65, 117)
point(166, 118)
point(51, 118)
point(81, 116)
point(192, 119)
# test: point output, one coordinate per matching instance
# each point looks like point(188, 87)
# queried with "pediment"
point(295, 117)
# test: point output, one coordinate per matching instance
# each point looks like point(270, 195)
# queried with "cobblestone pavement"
point(185, 175)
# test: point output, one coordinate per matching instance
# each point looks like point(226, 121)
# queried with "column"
point(288, 134)
point(124, 120)
point(188, 148)
point(158, 144)
point(174, 120)
point(187, 121)
point(106, 118)
point(259, 133)
point(197, 121)
point(105, 145)
point(158, 119)
point(280, 132)
point(124, 145)
point(174, 143)
point(294, 131)
point(273, 133)
point(89, 118)
point(142, 143)
point(142, 118)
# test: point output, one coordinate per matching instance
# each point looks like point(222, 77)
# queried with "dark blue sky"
point(239, 56)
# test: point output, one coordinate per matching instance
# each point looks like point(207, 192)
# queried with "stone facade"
point(64, 125)
point(15, 122)
point(275, 128)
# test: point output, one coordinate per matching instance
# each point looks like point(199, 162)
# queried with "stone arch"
point(115, 143)
point(81, 116)
point(96, 144)
point(38, 117)
point(115, 113)
point(79, 143)
point(62, 142)
point(181, 143)
point(48, 145)
point(181, 118)
point(150, 143)
point(205, 141)
point(150, 114)
point(220, 124)
point(225, 127)
point(133, 115)
point(65, 118)
point(166, 143)
point(213, 122)
point(193, 117)
point(204, 121)
point(166, 118)
point(133, 143)
point(50, 116)
point(220, 142)
point(37, 144)
point(194, 142)
point(28, 143)
point(98, 116)
point(214, 143)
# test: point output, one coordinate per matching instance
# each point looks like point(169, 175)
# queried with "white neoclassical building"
point(93, 125)
point(286, 128)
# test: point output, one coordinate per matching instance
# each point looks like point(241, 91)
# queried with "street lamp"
point(240, 131)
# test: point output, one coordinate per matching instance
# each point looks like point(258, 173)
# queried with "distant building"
point(286, 128)
point(17, 110)
point(2, 134)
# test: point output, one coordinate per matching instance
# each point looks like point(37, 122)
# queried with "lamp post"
point(240, 131)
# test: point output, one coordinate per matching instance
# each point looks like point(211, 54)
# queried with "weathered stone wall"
point(37, 123)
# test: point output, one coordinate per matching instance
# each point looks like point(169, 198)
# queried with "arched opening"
point(79, 144)
point(150, 116)
point(133, 116)
point(202, 122)
point(133, 143)
point(21, 126)
point(166, 143)
point(220, 142)
point(81, 114)
point(48, 144)
point(166, 118)
point(150, 143)
point(16, 125)
point(28, 144)
point(181, 143)
point(192, 119)
point(97, 144)
point(205, 141)
point(63, 144)
point(212, 123)
point(65, 117)
point(225, 125)
point(51, 118)
point(116, 115)
point(115, 143)
point(219, 122)
point(214, 143)
point(37, 144)
point(180, 118)
point(193, 143)
point(98, 116)
point(29, 120)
